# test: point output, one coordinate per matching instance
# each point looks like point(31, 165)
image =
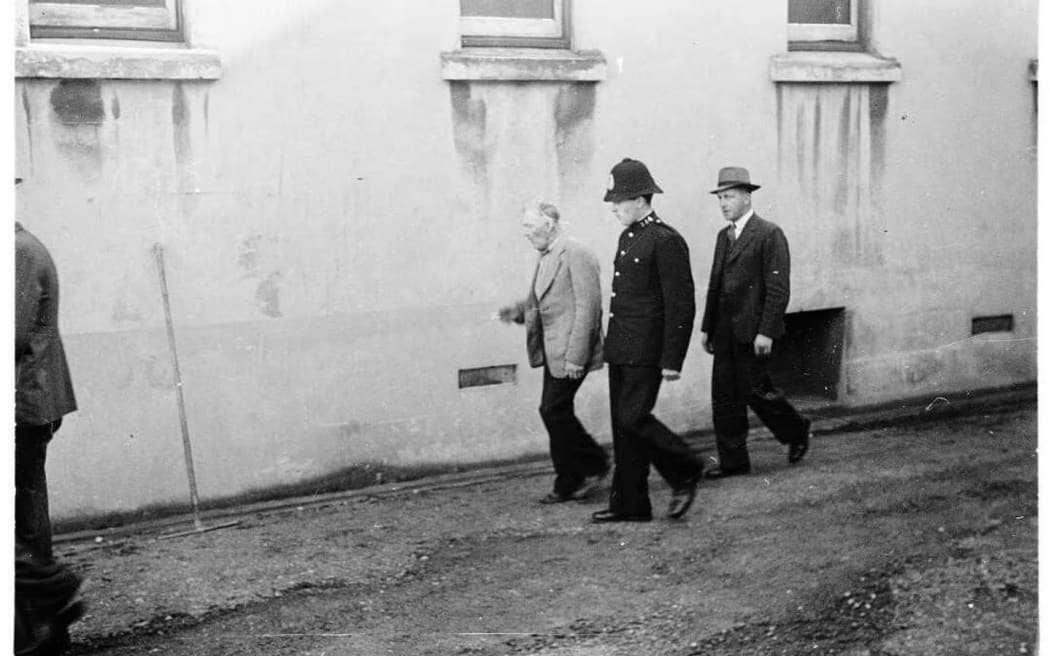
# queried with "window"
point(153, 20)
point(826, 24)
point(522, 23)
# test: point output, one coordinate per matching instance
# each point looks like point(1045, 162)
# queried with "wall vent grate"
point(997, 324)
point(494, 375)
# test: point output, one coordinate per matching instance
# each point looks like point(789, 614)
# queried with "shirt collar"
point(742, 221)
point(551, 247)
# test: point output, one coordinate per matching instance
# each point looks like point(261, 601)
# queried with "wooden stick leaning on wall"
point(187, 449)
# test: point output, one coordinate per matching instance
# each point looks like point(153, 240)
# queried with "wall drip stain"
point(78, 102)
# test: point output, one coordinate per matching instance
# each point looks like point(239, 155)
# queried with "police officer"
point(650, 323)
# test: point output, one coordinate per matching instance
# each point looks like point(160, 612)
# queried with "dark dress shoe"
point(718, 472)
point(554, 497)
point(588, 487)
point(603, 516)
point(798, 450)
point(682, 498)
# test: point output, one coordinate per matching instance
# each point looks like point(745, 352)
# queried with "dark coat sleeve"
point(776, 274)
point(676, 283)
point(27, 298)
point(714, 284)
point(43, 389)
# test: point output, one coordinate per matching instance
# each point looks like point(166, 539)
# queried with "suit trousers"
point(574, 452)
point(32, 516)
point(740, 379)
point(639, 439)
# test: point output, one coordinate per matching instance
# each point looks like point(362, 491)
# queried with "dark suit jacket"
point(653, 306)
point(562, 312)
point(43, 389)
point(750, 284)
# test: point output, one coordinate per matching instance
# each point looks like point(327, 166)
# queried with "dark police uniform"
point(650, 323)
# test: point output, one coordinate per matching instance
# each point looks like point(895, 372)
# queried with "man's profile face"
point(538, 230)
point(628, 211)
point(735, 202)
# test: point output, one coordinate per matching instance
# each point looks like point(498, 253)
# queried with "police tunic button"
point(630, 234)
point(636, 260)
point(611, 315)
point(614, 294)
point(623, 252)
point(617, 274)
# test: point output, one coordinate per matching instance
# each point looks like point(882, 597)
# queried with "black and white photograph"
point(524, 328)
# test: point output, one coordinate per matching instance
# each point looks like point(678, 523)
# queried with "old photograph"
point(532, 327)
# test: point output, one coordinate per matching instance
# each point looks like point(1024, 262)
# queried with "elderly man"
point(562, 315)
point(650, 325)
point(744, 314)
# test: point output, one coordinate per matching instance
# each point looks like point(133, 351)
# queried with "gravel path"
point(911, 539)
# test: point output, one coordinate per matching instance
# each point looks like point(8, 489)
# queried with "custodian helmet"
point(630, 179)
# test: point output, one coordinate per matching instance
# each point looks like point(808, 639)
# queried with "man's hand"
point(671, 374)
point(706, 342)
point(763, 345)
point(573, 371)
point(508, 314)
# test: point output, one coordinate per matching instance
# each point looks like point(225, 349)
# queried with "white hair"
point(542, 208)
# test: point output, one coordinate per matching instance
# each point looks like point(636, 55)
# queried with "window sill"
point(840, 67)
point(523, 64)
point(54, 60)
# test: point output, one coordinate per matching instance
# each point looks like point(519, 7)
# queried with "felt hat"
point(734, 176)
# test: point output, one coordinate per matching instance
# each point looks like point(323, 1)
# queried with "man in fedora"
point(562, 313)
point(743, 315)
point(650, 323)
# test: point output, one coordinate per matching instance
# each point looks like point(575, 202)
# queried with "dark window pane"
point(508, 8)
point(825, 12)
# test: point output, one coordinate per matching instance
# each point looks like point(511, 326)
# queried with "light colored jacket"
point(562, 312)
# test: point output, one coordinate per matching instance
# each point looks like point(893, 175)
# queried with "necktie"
point(731, 234)
point(541, 271)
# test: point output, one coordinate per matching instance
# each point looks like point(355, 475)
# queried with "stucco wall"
point(339, 223)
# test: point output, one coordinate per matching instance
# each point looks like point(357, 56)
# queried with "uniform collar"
point(647, 220)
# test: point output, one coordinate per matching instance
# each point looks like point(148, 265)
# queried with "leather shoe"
point(718, 472)
point(798, 450)
point(554, 497)
point(588, 487)
point(603, 516)
point(682, 498)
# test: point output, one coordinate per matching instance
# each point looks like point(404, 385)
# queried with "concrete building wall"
point(338, 223)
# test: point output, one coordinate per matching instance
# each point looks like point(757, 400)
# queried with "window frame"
point(822, 36)
point(60, 20)
point(492, 31)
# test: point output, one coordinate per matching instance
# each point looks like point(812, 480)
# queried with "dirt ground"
point(912, 539)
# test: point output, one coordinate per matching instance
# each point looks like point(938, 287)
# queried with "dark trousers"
point(574, 452)
point(32, 518)
point(640, 439)
point(44, 597)
point(740, 379)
